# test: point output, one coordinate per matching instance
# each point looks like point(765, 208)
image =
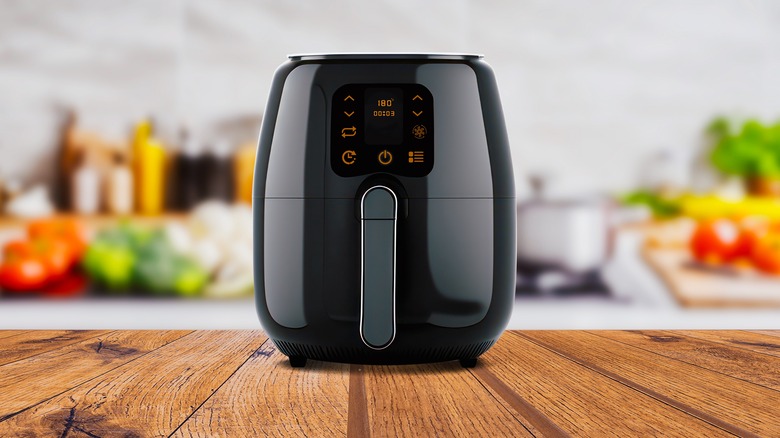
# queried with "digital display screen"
point(384, 116)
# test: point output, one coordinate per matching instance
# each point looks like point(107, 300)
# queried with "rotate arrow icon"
point(348, 132)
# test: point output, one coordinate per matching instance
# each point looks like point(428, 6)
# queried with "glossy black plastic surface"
point(455, 235)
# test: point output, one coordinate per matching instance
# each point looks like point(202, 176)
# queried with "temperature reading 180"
point(384, 109)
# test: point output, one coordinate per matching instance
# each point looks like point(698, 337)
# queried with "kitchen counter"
point(639, 299)
point(542, 313)
point(235, 383)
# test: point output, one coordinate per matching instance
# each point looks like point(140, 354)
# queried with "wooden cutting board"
point(698, 286)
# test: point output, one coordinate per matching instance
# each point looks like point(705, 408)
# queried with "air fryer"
point(384, 209)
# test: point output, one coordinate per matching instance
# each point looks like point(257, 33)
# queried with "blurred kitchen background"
point(645, 138)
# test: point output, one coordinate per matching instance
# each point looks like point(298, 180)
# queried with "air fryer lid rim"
point(381, 56)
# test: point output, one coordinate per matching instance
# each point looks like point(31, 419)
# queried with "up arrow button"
point(417, 97)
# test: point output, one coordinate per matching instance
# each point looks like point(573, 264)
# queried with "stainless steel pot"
point(574, 235)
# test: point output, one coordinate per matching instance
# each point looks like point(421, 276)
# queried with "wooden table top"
point(531, 383)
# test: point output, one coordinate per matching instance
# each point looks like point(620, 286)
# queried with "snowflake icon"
point(419, 132)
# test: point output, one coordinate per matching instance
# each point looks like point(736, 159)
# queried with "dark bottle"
point(190, 176)
point(217, 170)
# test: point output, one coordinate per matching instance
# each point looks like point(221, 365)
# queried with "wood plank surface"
point(746, 365)
point(10, 333)
point(756, 342)
point(775, 333)
point(434, 400)
point(582, 401)
point(730, 403)
point(150, 396)
point(30, 343)
point(700, 286)
point(357, 417)
point(535, 383)
point(267, 397)
point(96, 221)
point(533, 419)
point(32, 380)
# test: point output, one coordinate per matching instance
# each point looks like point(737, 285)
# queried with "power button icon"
point(385, 157)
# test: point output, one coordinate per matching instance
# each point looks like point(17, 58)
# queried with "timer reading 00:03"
point(380, 113)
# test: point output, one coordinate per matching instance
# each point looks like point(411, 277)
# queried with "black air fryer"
point(384, 209)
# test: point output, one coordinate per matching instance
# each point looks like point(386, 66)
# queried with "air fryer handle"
point(379, 211)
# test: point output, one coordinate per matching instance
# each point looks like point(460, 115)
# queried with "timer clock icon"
point(348, 157)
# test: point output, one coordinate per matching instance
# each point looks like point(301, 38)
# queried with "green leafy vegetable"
point(751, 151)
point(127, 257)
point(661, 207)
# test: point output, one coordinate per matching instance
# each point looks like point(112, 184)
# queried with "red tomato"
point(752, 230)
point(55, 227)
point(717, 241)
point(71, 285)
point(18, 248)
point(766, 254)
point(67, 230)
point(56, 255)
point(22, 273)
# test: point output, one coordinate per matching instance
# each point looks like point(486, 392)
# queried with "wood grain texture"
point(434, 400)
point(746, 365)
point(37, 378)
point(722, 399)
point(30, 343)
point(357, 419)
point(756, 342)
point(9, 333)
point(775, 333)
point(150, 396)
point(581, 401)
point(235, 383)
point(535, 421)
point(266, 397)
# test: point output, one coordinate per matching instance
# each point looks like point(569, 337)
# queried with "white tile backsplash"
point(590, 89)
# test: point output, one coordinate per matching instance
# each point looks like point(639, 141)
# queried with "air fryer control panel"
point(382, 128)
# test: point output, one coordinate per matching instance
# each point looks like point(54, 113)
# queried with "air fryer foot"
point(468, 363)
point(297, 361)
